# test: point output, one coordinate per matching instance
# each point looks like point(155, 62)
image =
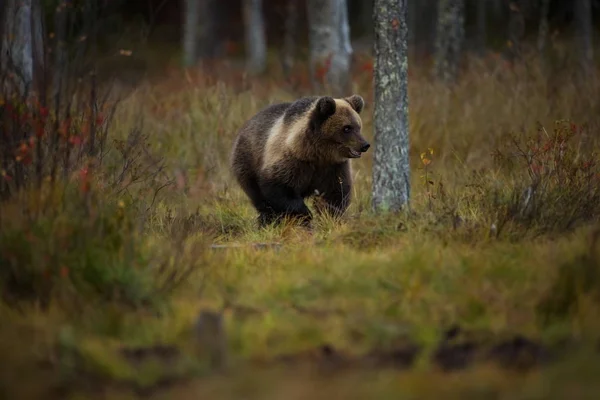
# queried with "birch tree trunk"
point(344, 31)
point(17, 44)
point(256, 42)
point(330, 51)
point(191, 10)
point(391, 168)
point(583, 20)
point(450, 34)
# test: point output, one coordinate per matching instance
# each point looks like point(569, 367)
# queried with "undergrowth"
point(122, 221)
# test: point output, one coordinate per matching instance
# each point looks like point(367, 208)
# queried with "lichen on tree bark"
point(391, 169)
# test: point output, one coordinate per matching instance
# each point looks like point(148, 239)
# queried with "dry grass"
point(464, 256)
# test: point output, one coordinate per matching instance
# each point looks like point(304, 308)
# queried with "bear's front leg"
point(283, 202)
point(335, 203)
point(334, 192)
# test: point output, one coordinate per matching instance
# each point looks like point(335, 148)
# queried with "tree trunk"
point(256, 42)
point(289, 40)
point(583, 20)
point(209, 41)
point(38, 42)
point(481, 41)
point(544, 28)
point(60, 64)
point(329, 45)
point(344, 30)
point(391, 168)
point(17, 44)
point(450, 34)
point(516, 29)
point(191, 10)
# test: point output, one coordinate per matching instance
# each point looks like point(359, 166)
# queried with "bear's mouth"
point(354, 154)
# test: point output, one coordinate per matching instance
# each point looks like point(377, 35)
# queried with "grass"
point(322, 312)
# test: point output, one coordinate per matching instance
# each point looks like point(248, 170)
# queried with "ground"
point(474, 293)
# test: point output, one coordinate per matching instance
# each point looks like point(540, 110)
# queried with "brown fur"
point(289, 151)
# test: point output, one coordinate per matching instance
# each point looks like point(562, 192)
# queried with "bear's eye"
point(347, 129)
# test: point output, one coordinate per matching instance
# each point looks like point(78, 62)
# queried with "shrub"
point(542, 183)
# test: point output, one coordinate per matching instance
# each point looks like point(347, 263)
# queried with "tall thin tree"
point(516, 28)
point(391, 168)
point(543, 26)
point(256, 41)
point(191, 11)
point(290, 31)
point(481, 27)
point(22, 43)
point(584, 23)
point(329, 47)
point(450, 35)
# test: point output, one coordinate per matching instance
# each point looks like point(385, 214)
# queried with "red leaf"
point(44, 112)
point(39, 129)
point(75, 140)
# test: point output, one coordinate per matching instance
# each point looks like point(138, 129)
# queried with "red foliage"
point(75, 140)
point(322, 69)
point(44, 112)
point(84, 180)
point(367, 66)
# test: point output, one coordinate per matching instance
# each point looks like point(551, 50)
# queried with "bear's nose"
point(365, 148)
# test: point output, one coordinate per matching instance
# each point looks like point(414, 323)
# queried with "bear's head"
point(338, 126)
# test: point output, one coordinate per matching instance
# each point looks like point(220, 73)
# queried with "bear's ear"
point(325, 107)
point(357, 102)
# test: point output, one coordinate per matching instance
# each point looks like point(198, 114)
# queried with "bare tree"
point(543, 26)
point(329, 37)
point(60, 52)
point(210, 40)
point(516, 28)
point(583, 20)
point(450, 34)
point(289, 40)
point(391, 168)
point(191, 17)
point(481, 27)
point(22, 43)
point(256, 41)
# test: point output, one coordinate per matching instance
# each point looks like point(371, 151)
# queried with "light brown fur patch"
point(286, 139)
point(289, 140)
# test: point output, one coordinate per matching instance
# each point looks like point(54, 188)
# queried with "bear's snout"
point(365, 147)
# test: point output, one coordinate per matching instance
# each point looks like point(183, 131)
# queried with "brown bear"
point(290, 151)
